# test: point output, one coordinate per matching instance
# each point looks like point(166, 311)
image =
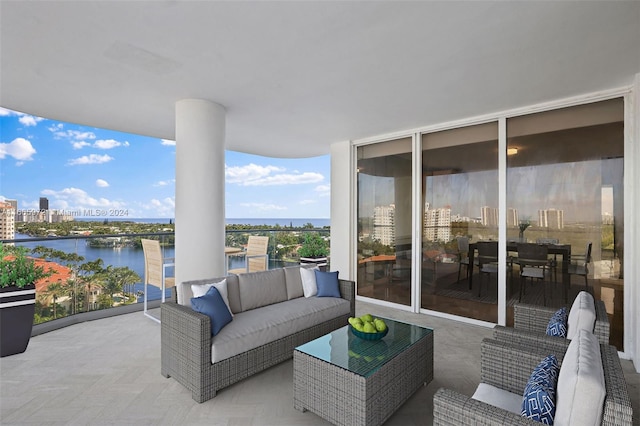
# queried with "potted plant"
point(18, 275)
point(314, 249)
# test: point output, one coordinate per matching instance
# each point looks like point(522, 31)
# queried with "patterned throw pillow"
point(558, 323)
point(539, 400)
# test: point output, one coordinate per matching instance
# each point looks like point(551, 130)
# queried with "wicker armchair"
point(508, 367)
point(530, 324)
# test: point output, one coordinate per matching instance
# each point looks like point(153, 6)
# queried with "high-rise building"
point(384, 229)
point(551, 218)
point(489, 216)
point(512, 217)
point(437, 224)
point(7, 221)
point(44, 203)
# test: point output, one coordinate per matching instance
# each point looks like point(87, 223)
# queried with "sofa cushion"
point(294, 282)
point(201, 290)
point(262, 288)
point(309, 286)
point(497, 397)
point(539, 400)
point(582, 315)
point(558, 324)
point(581, 390)
point(212, 305)
point(327, 283)
point(185, 292)
point(257, 327)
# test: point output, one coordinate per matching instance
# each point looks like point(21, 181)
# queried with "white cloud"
point(24, 119)
point(80, 144)
point(78, 199)
point(109, 144)
point(305, 202)
point(72, 135)
point(101, 183)
point(29, 120)
point(161, 208)
point(164, 182)
point(168, 142)
point(19, 148)
point(90, 159)
point(263, 206)
point(255, 175)
point(323, 190)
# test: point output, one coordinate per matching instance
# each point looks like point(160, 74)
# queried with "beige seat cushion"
point(581, 391)
point(582, 315)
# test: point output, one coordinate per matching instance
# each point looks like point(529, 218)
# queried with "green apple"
point(358, 326)
point(353, 321)
point(380, 325)
point(369, 327)
point(366, 318)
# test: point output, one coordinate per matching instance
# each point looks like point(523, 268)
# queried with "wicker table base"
point(346, 398)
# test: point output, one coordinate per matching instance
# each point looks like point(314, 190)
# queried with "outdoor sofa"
point(271, 316)
point(590, 391)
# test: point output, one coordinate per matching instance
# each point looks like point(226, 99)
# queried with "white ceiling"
point(296, 77)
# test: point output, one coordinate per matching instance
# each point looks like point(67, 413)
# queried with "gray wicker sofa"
point(271, 317)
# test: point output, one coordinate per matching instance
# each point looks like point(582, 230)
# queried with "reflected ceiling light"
point(512, 151)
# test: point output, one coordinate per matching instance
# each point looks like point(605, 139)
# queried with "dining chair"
point(553, 258)
point(463, 256)
point(534, 262)
point(155, 271)
point(256, 257)
point(487, 260)
point(579, 264)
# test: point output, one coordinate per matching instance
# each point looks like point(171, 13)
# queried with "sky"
point(87, 169)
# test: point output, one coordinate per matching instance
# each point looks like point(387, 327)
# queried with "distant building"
point(44, 203)
point(437, 224)
point(512, 217)
point(7, 221)
point(384, 229)
point(551, 218)
point(489, 216)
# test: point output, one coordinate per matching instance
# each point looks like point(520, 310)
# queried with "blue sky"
point(82, 168)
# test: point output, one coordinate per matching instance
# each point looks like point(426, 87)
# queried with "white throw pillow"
point(200, 290)
point(309, 286)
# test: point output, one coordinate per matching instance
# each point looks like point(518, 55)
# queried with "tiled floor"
point(108, 372)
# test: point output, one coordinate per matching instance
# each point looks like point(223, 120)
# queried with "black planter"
point(17, 306)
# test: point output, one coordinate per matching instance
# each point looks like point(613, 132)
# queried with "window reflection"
point(460, 208)
point(384, 221)
point(566, 181)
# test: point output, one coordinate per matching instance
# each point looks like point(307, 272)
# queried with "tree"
point(114, 279)
point(54, 290)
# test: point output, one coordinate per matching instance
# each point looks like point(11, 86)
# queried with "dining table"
point(563, 250)
point(229, 251)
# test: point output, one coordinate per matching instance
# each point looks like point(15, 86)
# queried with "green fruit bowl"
point(368, 336)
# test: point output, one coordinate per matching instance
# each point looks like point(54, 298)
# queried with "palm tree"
point(54, 290)
point(116, 278)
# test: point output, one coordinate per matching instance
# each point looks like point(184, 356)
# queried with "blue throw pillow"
point(212, 304)
point(327, 283)
point(539, 400)
point(558, 323)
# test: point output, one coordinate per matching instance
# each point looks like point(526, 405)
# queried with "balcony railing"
point(103, 275)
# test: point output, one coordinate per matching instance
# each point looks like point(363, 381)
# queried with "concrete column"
point(200, 199)
point(342, 208)
point(632, 226)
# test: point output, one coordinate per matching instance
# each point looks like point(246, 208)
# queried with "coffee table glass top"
point(364, 357)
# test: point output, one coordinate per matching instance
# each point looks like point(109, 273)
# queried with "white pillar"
point(200, 199)
point(631, 227)
point(342, 206)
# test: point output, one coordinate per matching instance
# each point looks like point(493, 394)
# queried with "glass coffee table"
point(350, 381)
